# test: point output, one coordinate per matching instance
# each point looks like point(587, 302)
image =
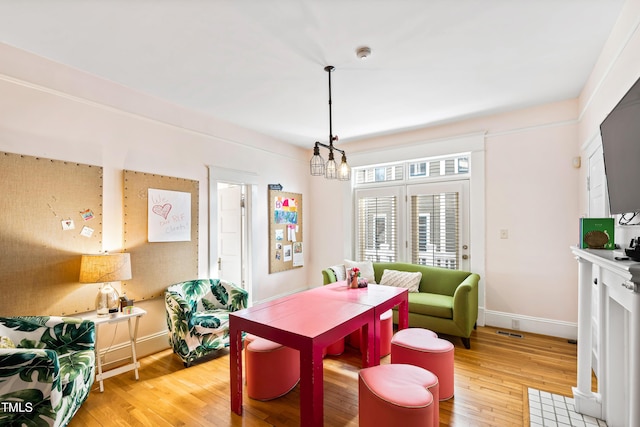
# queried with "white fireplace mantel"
point(608, 337)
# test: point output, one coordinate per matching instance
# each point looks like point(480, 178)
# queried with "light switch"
point(504, 234)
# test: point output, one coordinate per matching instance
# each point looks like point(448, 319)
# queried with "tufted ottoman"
point(422, 347)
point(396, 395)
point(272, 369)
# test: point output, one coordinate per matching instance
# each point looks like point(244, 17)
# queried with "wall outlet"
point(515, 324)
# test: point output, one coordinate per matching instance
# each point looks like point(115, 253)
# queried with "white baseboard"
point(534, 325)
point(145, 346)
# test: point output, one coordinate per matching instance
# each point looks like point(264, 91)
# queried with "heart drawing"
point(162, 210)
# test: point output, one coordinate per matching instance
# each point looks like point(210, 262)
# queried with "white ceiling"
point(260, 63)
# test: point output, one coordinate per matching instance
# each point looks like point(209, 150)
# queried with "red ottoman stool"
point(396, 395)
point(419, 347)
point(272, 369)
point(335, 349)
point(386, 332)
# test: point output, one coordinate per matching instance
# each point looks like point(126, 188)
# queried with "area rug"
point(547, 409)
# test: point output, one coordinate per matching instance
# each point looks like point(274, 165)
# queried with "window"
point(424, 227)
point(439, 167)
point(381, 231)
point(463, 165)
point(423, 231)
point(434, 217)
point(376, 231)
point(379, 174)
point(417, 169)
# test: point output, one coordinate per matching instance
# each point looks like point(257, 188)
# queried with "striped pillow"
point(402, 279)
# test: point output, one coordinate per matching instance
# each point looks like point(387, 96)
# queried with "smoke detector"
point(363, 52)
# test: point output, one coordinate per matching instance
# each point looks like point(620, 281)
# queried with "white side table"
point(135, 315)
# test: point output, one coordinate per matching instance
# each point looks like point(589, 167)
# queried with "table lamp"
point(106, 268)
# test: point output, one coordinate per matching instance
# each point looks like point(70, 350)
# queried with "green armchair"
point(47, 368)
point(446, 301)
point(198, 316)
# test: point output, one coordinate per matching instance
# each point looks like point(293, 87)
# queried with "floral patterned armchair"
point(47, 368)
point(198, 316)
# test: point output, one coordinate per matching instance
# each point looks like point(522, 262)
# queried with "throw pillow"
point(339, 271)
point(366, 269)
point(401, 279)
point(5, 342)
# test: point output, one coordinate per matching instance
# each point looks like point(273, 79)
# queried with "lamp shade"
point(105, 268)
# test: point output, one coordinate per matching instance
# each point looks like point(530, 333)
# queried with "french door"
point(438, 223)
point(419, 223)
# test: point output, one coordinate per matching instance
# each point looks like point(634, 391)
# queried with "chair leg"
point(466, 342)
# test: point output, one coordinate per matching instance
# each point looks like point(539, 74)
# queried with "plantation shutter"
point(434, 229)
point(377, 228)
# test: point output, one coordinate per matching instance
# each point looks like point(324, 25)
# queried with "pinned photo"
point(87, 214)
point(86, 231)
point(68, 224)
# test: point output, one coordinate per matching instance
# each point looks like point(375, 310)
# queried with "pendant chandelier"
point(330, 169)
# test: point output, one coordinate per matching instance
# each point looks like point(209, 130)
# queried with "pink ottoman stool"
point(419, 347)
point(386, 332)
point(396, 395)
point(248, 338)
point(272, 369)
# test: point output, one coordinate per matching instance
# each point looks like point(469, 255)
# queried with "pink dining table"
point(307, 322)
point(380, 297)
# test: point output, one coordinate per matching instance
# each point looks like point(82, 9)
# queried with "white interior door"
point(598, 200)
point(230, 234)
point(438, 224)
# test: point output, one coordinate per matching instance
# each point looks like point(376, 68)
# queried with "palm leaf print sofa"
point(198, 316)
point(47, 368)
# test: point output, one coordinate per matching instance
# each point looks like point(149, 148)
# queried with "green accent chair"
point(47, 368)
point(446, 301)
point(198, 316)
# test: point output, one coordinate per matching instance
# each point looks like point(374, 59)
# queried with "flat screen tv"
point(621, 146)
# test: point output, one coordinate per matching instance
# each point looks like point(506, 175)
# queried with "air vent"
point(510, 334)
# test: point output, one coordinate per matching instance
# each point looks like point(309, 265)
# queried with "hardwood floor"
point(491, 381)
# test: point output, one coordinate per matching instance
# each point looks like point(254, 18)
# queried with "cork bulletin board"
point(286, 249)
point(52, 214)
point(160, 232)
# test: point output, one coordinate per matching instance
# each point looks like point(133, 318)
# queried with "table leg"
point(235, 369)
point(311, 387)
point(369, 342)
point(133, 336)
point(403, 315)
point(376, 337)
point(99, 362)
